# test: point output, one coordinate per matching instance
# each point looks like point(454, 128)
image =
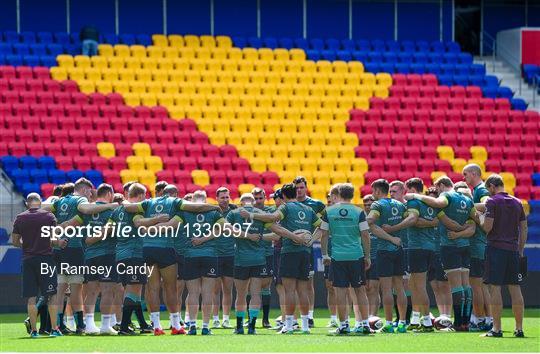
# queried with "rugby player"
point(390, 264)
point(295, 258)
point(372, 286)
point(480, 318)
point(129, 254)
point(160, 187)
point(331, 197)
point(36, 251)
point(457, 213)
point(67, 210)
point(317, 206)
point(347, 226)
point(225, 250)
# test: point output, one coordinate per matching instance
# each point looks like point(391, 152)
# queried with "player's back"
point(296, 216)
point(128, 245)
point(458, 209)
point(422, 237)
point(98, 220)
point(344, 221)
point(247, 252)
point(66, 208)
point(199, 225)
point(391, 212)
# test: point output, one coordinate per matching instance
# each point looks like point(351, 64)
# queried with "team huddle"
point(132, 247)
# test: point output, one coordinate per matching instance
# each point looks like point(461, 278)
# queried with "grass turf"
point(13, 338)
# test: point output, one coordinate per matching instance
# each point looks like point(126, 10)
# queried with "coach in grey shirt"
point(505, 225)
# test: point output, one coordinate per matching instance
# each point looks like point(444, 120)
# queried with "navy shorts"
point(225, 266)
point(328, 272)
point(419, 260)
point(501, 267)
point(348, 273)
point(107, 260)
point(455, 257)
point(199, 267)
point(277, 262)
point(371, 273)
point(436, 271)
point(477, 268)
point(74, 256)
point(390, 263)
point(246, 272)
point(269, 267)
point(130, 271)
point(36, 282)
point(180, 269)
point(295, 265)
point(162, 256)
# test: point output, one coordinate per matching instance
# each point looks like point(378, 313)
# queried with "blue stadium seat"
point(316, 43)
point(433, 68)
point(461, 80)
point(9, 163)
point(534, 220)
point(57, 176)
point(490, 92)
point(31, 60)
point(45, 37)
point(387, 67)
point(72, 49)
point(437, 47)
point(378, 45)
point(505, 92)
point(39, 176)
point(28, 188)
point(375, 57)
point(393, 46)
point(94, 176)
point(313, 54)
point(465, 58)
point(405, 57)
point(535, 206)
point(11, 36)
point(270, 42)
point(48, 61)
point(4, 237)
point(418, 68)
point(344, 55)
point(62, 38)
point(28, 162)
point(38, 49)
point(446, 80)
point(144, 39)
point(239, 42)
point(55, 49)
point(435, 58)
point(491, 80)
point(363, 45)
point(348, 44)
point(254, 42)
point(6, 48)
point(74, 175)
point(15, 60)
point(519, 104)
point(420, 58)
point(422, 46)
point(477, 80)
point(332, 44)
point(403, 68)
point(46, 163)
point(20, 177)
point(75, 38)
point(462, 69)
point(328, 55)
point(286, 43)
point(21, 48)
point(372, 67)
point(128, 39)
point(452, 47)
point(2, 59)
point(389, 57)
point(360, 55)
point(536, 179)
point(110, 38)
point(408, 46)
point(28, 37)
point(450, 58)
point(478, 69)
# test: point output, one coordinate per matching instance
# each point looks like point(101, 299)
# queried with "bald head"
point(33, 200)
point(472, 174)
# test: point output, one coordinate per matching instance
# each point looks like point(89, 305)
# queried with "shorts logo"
point(51, 286)
point(430, 211)
point(64, 207)
point(395, 211)
point(200, 217)
point(301, 215)
point(212, 271)
point(159, 208)
point(264, 271)
point(134, 277)
point(343, 212)
point(463, 204)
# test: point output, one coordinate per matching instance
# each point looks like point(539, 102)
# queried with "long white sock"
point(113, 319)
point(305, 322)
point(310, 315)
point(175, 320)
point(215, 318)
point(105, 321)
point(154, 317)
point(205, 325)
point(333, 318)
point(70, 322)
point(415, 318)
point(186, 318)
point(474, 319)
point(89, 320)
point(426, 321)
point(225, 317)
point(289, 322)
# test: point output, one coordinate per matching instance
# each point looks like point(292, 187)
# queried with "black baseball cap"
point(277, 194)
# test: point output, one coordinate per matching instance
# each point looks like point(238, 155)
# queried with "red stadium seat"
point(182, 177)
point(111, 176)
point(218, 177)
point(64, 163)
point(188, 163)
point(35, 149)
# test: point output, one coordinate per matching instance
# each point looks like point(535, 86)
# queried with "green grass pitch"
point(13, 338)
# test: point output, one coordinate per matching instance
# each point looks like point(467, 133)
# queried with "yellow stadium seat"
point(277, 66)
point(321, 178)
point(250, 54)
point(160, 40)
point(262, 152)
point(258, 165)
point(115, 63)
point(65, 61)
point(313, 152)
point(368, 79)
point(338, 177)
point(153, 163)
point(132, 99)
point(187, 53)
point(324, 66)
point(128, 175)
point(308, 165)
point(359, 165)
point(243, 65)
point(245, 188)
point(326, 165)
point(458, 164)
point(149, 99)
point(155, 52)
point(192, 41)
point(297, 54)
point(361, 103)
point(165, 64)
point(223, 41)
point(175, 40)
point(59, 73)
point(246, 151)
point(436, 174)
point(86, 86)
point(266, 54)
point(479, 153)
point(125, 74)
point(381, 92)
point(213, 65)
point(92, 74)
point(149, 63)
point(355, 67)
point(133, 63)
point(135, 162)
point(357, 179)
point(200, 177)
point(281, 54)
point(384, 79)
point(509, 179)
point(121, 50)
point(146, 177)
point(105, 50)
point(234, 54)
point(330, 152)
point(346, 152)
point(82, 61)
point(203, 53)
point(171, 53)
point(138, 51)
point(165, 100)
point(295, 67)
point(365, 91)
point(106, 150)
point(98, 62)
point(262, 66)
point(207, 41)
point(445, 153)
point(340, 67)
point(110, 75)
point(292, 165)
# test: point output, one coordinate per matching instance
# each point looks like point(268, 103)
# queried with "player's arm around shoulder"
point(469, 230)
point(264, 217)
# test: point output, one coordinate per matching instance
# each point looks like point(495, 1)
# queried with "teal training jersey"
point(247, 253)
point(129, 245)
point(316, 205)
point(198, 225)
point(268, 248)
point(459, 209)
point(344, 223)
point(422, 237)
point(103, 247)
point(391, 212)
point(297, 216)
point(154, 207)
point(225, 245)
point(479, 241)
point(65, 209)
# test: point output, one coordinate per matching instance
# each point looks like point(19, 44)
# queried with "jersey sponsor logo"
point(343, 212)
point(430, 211)
point(64, 207)
point(159, 208)
point(395, 211)
point(200, 217)
point(95, 216)
point(121, 216)
point(463, 204)
point(301, 215)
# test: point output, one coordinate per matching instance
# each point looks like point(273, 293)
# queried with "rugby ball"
point(307, 234)
point(375, 323)
point(442, 322)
